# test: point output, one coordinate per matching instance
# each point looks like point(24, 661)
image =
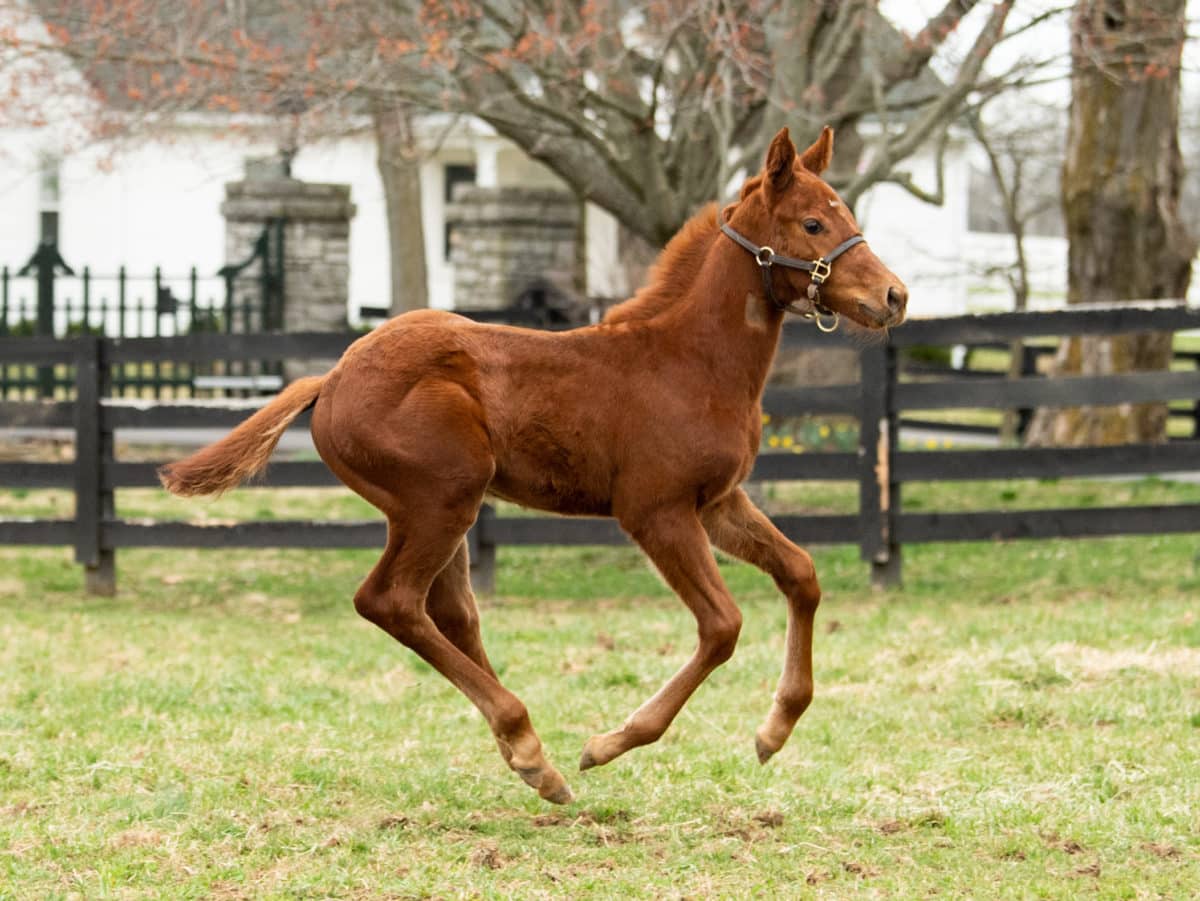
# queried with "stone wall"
point(505, 240)
point(316, 245)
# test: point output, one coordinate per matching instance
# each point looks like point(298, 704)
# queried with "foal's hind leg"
point(451, 605)
point(675, 541)
point(430, 486)
point(739, 528)
point(394, 598)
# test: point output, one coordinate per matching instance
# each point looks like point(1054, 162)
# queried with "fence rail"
point(879, 465)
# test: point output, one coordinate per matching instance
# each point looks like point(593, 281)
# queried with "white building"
point(157, 203)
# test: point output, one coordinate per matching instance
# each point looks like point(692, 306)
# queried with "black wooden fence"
point(1184, 415)
point(879, 465)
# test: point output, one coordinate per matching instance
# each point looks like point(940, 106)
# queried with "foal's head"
point(788, 208)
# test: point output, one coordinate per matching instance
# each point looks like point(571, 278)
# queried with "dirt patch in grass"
point(583, 818)
point(1066, 845)
point(770, 818)
point(862, 871)
point(1095, 663)
point(21, 808)
point(137, 838)
point(1162, 850)
point(487, 856)
point(749, 827)
point(928, 819)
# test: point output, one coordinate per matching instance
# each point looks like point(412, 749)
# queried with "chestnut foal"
point(652, 417)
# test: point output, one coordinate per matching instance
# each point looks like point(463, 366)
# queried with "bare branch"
point(937, 113)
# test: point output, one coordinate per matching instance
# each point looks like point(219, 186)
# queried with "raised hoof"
point(764, 753)
point(586, 760)
point(595, 753)
point(562, 796)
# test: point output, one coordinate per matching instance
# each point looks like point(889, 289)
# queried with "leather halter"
point(819, 271)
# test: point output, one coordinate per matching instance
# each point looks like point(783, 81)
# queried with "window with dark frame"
point(455, 174)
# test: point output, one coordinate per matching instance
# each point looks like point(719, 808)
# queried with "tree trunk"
point(400, 169)
point(1121, 188)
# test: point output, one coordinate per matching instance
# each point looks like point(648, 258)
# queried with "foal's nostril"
point(897, 299)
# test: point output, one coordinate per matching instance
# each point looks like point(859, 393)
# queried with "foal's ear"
point(816, 158)
point(777, 173)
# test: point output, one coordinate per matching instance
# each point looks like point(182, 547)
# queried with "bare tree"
point(1121, 190)
point(1023, 156)
point(399, 162)
point(646, 107)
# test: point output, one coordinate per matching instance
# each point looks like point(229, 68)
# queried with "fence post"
point(93, 447)
point(45, 264)
point(1195, 406)
point(482, 552)
point(878, 490)
point(1029, 367)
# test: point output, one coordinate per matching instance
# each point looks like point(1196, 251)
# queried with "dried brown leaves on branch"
point(646, 108)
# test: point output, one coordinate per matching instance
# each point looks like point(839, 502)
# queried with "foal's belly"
point(552, 478)
point(551, 501)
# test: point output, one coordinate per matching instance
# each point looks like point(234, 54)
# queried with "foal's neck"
point(730, 325)
point(705, 297)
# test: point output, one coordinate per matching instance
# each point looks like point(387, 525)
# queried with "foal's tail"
point(245, 450)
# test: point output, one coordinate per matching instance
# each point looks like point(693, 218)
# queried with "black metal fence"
point(879, 465)
point(48, 298)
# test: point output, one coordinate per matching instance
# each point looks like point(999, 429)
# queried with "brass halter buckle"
point(820, 271)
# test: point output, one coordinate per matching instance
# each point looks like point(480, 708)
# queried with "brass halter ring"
point(820, 323)
point(821, 316)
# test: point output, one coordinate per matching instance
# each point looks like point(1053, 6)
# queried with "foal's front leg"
point(739, 528)
point(675, 541)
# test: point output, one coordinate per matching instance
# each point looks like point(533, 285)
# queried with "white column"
point(486, 169)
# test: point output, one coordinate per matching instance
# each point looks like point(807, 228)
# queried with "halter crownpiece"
point(819, 271)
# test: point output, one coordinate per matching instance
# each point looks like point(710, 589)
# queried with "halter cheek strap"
point(819, 271)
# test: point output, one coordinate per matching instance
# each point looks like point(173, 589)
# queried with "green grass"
point(1022, 720)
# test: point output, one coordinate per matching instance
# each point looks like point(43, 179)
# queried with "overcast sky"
point(1047, 41)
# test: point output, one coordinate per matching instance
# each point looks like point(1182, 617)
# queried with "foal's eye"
point(813, 227)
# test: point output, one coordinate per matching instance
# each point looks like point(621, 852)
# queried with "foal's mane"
point(674, 271)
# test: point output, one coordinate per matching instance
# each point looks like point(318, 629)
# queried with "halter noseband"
point(819, 271)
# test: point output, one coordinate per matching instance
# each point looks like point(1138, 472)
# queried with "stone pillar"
point(504, 241)
point(316, 245)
